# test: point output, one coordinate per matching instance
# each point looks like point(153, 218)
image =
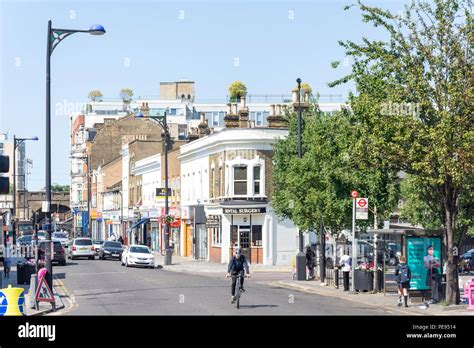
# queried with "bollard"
point(32, 292)
point(336, 277)
point(12, 301)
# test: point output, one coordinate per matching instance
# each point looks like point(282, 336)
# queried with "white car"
point(138, 255)
point(81, 247)
point(97, 245)
point(41, 235)
point(61, 237)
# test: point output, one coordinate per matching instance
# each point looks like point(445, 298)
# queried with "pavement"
point(59, 293)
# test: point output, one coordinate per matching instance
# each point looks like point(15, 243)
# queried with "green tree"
point(316, 188)
point(237, 89)
point(414, 104)
point(59, 188)
point(126, 94)
point(95, 95)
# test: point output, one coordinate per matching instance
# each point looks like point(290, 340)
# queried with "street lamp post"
point(16, 143)
point(164, 124)
point(55, 36)
point(300, 257)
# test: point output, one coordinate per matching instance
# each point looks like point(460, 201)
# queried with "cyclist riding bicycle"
point(237, 266)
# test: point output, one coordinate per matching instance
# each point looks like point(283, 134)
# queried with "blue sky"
point(151, 41)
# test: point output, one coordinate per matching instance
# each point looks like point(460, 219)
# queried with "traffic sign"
point(362, 208)
point(354, 194)
point(44, 293)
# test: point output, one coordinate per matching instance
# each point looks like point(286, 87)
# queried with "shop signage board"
point(417, 252)
point(362, 208)
point(213, 221)
point(244, 211)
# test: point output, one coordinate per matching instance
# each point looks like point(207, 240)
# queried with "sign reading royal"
point(244, 211)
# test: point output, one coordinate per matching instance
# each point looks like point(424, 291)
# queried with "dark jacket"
point(310, 255)
point(238, 264)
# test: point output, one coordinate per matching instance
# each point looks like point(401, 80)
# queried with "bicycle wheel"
point(238, 292)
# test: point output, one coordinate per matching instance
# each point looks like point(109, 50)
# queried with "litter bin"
point(363, 280)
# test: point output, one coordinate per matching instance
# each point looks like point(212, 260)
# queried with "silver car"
point(81, 247)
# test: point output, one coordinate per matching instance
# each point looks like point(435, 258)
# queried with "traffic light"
point(4, 181)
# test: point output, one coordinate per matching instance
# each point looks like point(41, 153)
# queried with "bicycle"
point(238, 287)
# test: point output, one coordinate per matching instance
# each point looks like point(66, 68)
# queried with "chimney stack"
point(231, 119)
point(277, 119)
point(145, 109)
point(243, 114)
point(203, 127)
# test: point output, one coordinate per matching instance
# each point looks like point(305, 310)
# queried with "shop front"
point(188, 231)
point(246, 231)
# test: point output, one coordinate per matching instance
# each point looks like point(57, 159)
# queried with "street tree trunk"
point(452, 287)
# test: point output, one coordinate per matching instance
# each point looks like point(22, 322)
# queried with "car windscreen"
point(57, 246)
point(26, 239)
point(83, 242)
point(59, 235)
point(112, 245)
point(98, 242)
point(140, 250)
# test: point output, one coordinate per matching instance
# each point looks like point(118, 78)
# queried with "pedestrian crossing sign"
point(44, 293)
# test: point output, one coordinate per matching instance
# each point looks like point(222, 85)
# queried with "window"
point(215, 118)
point(216, 236)
point(256, 180)
point(234, 238)
point(220, 182)
point(182, 131)
point(258, 119)
point(240, 180)
point(257, 235)
point(173, 112)
point(213, 183)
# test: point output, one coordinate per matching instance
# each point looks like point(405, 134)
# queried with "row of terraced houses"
point(220, 173)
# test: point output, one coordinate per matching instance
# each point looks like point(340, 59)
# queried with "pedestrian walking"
point(346, 263)
point(403, 277)
point(120, 240)
point(310, 261)
point(7, 264)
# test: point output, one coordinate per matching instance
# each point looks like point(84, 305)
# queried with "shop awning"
point(138, 223)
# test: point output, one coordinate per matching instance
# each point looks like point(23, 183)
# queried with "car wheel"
point(91, 257)
point(72, 257)
point(63, 263)
point(121, 262)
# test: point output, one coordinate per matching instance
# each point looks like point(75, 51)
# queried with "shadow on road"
point(258, 306)
point(59, 275)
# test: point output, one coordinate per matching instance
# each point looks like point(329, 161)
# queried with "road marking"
point(94, 273)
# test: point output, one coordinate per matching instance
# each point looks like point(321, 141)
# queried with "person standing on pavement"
point(403, 276)
point(7, 264)
point(120, 240)
point(432, 263)
point(345, 264)
point(310, 261)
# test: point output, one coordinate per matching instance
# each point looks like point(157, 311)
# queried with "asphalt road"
point(106, 288)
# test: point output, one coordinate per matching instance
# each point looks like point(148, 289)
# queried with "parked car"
point(111, 250)
point(81, 247)
point(25, 240)
point(41, 235)
point(467, 254)
point(97, 245)
point(59, 255)
point(61, 237)
point(138, 255)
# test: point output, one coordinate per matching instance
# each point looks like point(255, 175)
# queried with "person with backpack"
point(403, 276)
